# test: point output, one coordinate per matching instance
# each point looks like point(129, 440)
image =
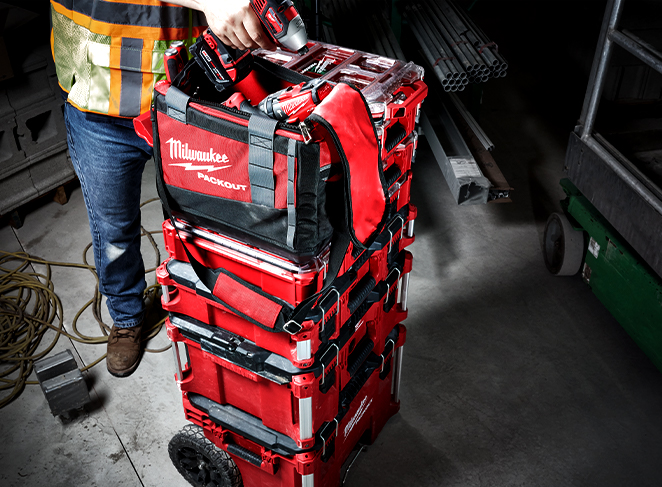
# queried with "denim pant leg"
point(109, 159)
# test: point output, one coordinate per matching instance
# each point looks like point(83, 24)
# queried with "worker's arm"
point(233, 21)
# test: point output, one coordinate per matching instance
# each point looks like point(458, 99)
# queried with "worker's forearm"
point(233, 21)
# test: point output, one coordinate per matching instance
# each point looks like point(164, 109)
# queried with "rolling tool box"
point(287, 274)
point(266, 458)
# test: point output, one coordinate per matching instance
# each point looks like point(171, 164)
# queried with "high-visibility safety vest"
point(109, 53)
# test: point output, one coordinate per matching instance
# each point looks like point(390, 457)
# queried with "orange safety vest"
point(109, 53)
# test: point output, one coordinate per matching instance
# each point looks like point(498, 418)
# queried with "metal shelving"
point(629, 200)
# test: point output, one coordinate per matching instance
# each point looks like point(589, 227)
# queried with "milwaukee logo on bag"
point(182, 151)
point(196, 160)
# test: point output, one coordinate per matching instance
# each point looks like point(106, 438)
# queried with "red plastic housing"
point(299, 348)
point(277, 403)
point(273, 274)
point(374, 404)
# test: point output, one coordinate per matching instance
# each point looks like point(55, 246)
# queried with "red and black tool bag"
point(260, 180)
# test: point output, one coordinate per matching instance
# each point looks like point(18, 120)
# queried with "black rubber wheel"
point(563, 246)
point(200, 461)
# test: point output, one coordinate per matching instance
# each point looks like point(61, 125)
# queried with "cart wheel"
point(200, 461)
point(564, 246)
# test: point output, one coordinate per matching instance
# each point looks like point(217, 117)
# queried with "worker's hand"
point(235, 24)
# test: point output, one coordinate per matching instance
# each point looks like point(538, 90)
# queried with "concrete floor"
point(511, 376)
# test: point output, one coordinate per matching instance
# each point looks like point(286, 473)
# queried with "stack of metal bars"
point(457, 49)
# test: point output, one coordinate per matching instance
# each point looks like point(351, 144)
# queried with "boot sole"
point(125, 372)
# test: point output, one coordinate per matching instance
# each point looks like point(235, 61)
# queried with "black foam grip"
point(359, 355)
point(360, 292)
point(245, 454)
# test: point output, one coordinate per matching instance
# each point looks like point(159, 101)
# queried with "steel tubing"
point(442, 74)
point(652, 58)
point(478, 32)
point(454, 65)
point(450, 39)
point(482, 51)
point(599, 68)
point(458, 39)
point(442, 46)
point(453, 17)
point(377, 43)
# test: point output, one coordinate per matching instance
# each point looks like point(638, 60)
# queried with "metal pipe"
point(650, 56)
point(378, 27)
point(482, 51)
point(378, 46)
point(643, 43)
point(597, 79)
point(391, 37)
point(443, 75)
point(453, 69)
point(448, 35)
point(441, 45)
point(453, 17)
point(460, 39)
point(478, 32)
point(472, 123)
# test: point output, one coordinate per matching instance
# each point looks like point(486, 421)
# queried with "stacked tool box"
point(289, 407)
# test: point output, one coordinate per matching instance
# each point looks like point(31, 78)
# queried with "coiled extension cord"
point(30, 307)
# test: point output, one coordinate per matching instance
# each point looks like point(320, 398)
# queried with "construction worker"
point(108, 55)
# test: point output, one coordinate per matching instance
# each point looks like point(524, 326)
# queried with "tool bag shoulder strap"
point(345, 115)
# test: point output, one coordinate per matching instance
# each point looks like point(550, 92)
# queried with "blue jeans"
point(109, 159)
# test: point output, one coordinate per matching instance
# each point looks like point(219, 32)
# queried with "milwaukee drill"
point(225, 66)
point(295, 103)
point(291, 105)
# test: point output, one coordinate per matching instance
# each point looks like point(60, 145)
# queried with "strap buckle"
point(292, 327)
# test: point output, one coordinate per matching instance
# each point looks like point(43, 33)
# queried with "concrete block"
point(42, 129)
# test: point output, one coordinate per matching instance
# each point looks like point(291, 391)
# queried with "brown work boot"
point(124, 347)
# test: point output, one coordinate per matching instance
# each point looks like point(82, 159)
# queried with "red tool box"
point(265, 458)
point(284, 279)
point(185, 294)
point(281, 367)
point(295, 402)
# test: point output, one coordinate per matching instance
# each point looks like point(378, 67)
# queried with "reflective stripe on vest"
point(109, 54)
